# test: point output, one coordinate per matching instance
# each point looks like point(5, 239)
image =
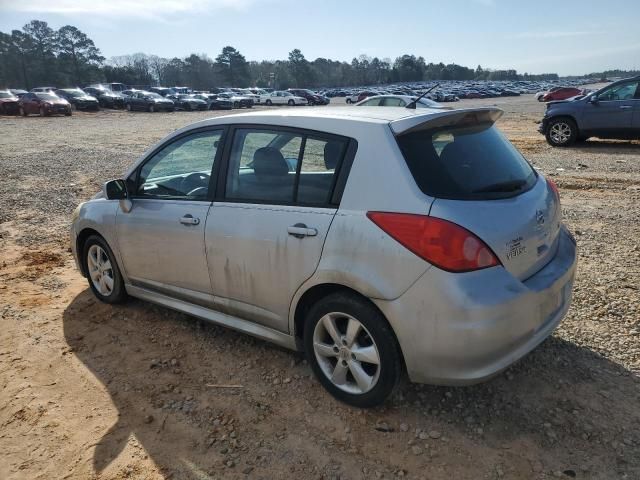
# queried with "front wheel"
point(352, 350)
point(268, 103)
point(42, 112)
point(128, 107)
point(23, 112)
point(561, 132)
point(291, 103)
point(152, 109)
point(102, 271)
point(349, 101)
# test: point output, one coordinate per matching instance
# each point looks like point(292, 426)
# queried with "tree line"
point(38, 55)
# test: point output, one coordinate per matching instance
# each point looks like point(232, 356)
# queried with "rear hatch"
point(481, 182)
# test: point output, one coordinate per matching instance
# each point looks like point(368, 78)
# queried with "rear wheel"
point(42, 112)
point(103, 273)
point(291, 103)
point(152, 108)
point(561, 132)
point(352, 350)
point(236, 104)
point(23, 112)
point(268, 103)
point(349, 100)
point(128, 107)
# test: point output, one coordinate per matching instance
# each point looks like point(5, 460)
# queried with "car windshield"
point(47, 96)
point(466, 163)
point(7, 95)
point(152, 95)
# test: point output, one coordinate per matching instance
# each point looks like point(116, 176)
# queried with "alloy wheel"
point(346, 353)
point(100, 270)
point(560, 132)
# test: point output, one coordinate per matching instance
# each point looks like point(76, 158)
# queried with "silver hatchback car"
point(376, 240)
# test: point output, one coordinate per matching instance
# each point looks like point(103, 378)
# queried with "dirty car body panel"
point(249, 262)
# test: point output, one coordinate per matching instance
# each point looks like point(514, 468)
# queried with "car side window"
point(282, 167)
point(320, 159)
point(625, 91)
point(182, 169)
point(374, 102)
point(392, 102)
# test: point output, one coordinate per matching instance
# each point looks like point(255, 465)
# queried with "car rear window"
point(466, 163)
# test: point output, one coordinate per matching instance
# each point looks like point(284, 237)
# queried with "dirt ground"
point(93, 391)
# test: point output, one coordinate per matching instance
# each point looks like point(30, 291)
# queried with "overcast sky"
point(568, 37)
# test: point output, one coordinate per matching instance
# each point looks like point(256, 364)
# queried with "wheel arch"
point(84, 234)
point(319, 291)
point(561, 115)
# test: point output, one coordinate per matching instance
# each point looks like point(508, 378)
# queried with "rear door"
point(482, 183)
point(265, 234)
point(614, 110)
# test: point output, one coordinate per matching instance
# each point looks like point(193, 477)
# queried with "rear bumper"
point(457, 329)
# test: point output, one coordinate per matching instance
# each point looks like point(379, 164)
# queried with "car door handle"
point(625, 107)
point(300, 230)
point(189, 219)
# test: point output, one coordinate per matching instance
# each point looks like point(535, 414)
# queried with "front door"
point(613, 112)
point(161, 239)
point(264, 237)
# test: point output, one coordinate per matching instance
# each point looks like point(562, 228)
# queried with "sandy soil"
point(92, 391)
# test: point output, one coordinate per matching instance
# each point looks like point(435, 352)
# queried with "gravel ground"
point(137, 391)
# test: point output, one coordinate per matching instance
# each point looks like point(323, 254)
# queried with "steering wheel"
point(195, 182)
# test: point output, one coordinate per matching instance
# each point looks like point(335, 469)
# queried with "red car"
point(561, 94)
point(43, 103)
point(8, 103)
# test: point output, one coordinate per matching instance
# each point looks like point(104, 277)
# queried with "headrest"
point(332, 151)
point(268, 161)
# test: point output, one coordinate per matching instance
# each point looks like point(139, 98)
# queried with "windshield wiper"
point(508, 186)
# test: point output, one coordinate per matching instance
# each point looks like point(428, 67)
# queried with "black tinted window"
point(466, 163)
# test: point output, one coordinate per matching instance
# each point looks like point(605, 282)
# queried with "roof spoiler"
point(448, 118)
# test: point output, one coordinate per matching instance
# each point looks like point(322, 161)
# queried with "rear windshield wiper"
point(508, 186)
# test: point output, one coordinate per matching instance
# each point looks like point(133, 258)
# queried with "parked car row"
point(449, 91)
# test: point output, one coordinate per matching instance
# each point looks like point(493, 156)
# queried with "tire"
point(22, 112)
point(268, 103)
point(128, 107)
point(152, 109)
point(74, 107)
point(349, 101)
point(561, 132)
point(42, 112)
point(291, 103)
point(236, 105)
point(67, 114)
point(94, 249)
point(311, 103)
point(374, 340)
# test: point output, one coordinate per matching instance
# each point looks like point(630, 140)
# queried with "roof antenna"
point(415, 102)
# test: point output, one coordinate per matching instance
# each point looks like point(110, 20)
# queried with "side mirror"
point(593, 99)
point(115, 190)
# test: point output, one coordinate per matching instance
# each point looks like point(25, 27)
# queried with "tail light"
point(442, 243)
point(554, 188)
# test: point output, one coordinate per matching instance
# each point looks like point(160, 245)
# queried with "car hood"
point(5, 100)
